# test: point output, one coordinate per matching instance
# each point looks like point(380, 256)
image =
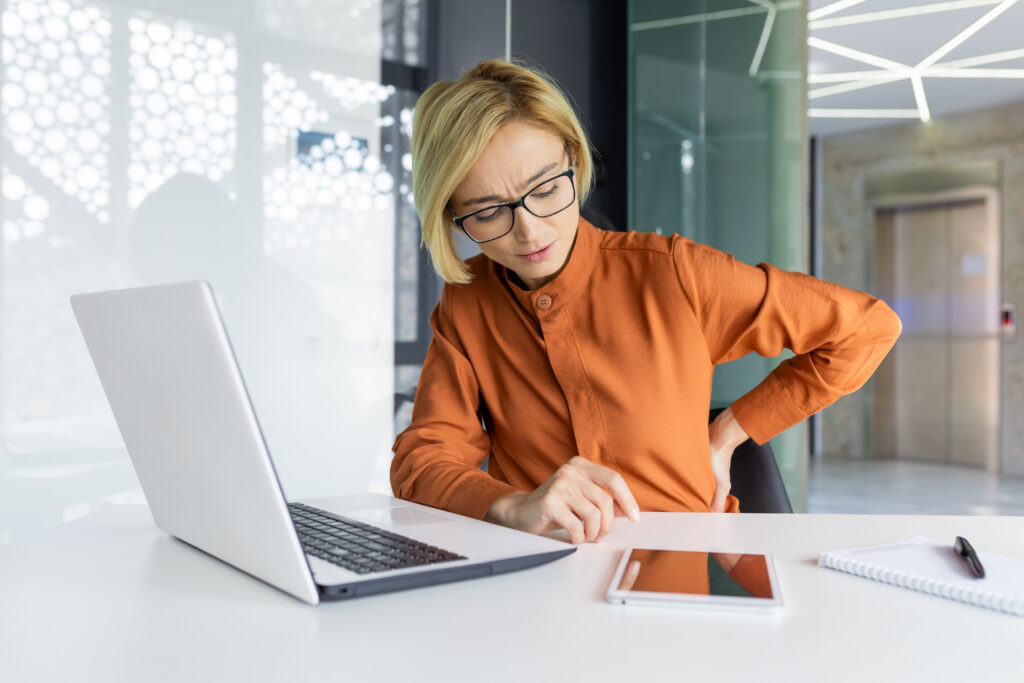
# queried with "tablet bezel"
point(727, 603)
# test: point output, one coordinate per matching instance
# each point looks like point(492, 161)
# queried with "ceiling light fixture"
point(922, 101)
point(832, 9)
point(869, 78)
point(855, 85)
point(965, 34)
point(984, 59)
point(863, 113)
point(894, 71)
point(942, 70)
point(936, 72)
point(900, 13)
point(857, 55)
point(845, 76)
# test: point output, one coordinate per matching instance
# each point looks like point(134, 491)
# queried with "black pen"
point(964, 549)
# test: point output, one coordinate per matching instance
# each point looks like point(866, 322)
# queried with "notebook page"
point(928, 559)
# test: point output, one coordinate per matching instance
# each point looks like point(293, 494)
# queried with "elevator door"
point(937, 393)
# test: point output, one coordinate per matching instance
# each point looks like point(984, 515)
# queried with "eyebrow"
point(529, 181)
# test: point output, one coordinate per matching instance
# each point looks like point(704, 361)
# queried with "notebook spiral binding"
point(944, 589)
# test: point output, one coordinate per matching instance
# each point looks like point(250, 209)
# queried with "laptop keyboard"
point(359, 547)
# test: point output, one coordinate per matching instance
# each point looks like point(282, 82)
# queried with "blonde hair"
point(455, 120)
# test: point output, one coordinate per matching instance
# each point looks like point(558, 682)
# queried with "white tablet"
point(691, 578)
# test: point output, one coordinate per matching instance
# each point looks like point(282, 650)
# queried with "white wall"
point(152, 141)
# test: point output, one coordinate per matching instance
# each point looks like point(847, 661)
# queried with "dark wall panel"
point(466, 32)
point(582, 44)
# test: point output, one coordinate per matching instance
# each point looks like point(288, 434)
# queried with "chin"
point(540, 271)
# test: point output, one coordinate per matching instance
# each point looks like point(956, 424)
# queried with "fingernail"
point(634, 514)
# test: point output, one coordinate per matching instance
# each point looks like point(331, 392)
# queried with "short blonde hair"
point(455, 120)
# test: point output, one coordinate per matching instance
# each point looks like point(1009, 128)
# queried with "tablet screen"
point(696, 573)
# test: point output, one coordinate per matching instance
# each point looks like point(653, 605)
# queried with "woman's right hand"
point(581, 497)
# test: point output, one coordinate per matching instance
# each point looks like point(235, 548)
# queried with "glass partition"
point(257, 145)
point(718, 148)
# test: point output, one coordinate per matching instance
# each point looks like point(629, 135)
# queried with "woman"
point(588, 355)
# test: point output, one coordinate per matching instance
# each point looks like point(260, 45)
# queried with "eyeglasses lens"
point(544, 200)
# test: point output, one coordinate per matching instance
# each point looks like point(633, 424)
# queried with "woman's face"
point(517, 158)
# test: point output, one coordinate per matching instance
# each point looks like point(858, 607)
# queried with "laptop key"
point(360, 547)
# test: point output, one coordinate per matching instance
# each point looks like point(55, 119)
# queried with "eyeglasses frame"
point(459, 220)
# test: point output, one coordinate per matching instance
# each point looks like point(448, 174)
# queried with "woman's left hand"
point(725, 434)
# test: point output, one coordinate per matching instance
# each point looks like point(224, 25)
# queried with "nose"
point(527, 226)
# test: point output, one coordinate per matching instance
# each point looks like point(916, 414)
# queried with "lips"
point(539, 255)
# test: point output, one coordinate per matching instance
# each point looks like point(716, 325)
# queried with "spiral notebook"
point(930, 566)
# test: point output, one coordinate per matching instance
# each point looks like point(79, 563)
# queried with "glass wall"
point(718, 148)
point(257, 145)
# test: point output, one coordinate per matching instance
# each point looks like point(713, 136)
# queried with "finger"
point(587, 512)
point(619, 512)
point(565, 487)
point(558, 511)
point(604, 503)
point(614, 483)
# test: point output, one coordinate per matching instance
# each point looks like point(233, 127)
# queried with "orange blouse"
point(613, 360)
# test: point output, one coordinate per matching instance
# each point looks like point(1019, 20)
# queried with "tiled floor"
point(908, 487)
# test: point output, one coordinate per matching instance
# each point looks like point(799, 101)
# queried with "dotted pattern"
point(286, 107)
point(183, 101)
point(56, 103)
point(335, 180)
point(307, 200)
point(55, 100)
point(25, 211)
point(352, 92)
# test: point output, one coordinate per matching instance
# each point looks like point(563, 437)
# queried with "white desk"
point(111, 598)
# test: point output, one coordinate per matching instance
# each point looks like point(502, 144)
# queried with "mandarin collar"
point(568, 283)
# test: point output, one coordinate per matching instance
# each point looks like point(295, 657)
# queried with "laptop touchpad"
point(399, 515)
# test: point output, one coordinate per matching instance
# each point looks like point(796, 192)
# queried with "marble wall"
point(980, 148)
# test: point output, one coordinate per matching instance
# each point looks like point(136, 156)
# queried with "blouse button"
point(544, 302)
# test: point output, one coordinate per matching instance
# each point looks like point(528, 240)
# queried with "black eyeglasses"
point(554, 195)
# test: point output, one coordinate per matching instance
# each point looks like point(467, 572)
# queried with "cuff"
point(474, 497)
point(767, 410)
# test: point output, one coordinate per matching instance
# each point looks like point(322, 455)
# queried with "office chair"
point(756, 480)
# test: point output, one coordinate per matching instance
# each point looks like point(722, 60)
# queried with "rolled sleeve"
point(839, 335)
point(438, 457)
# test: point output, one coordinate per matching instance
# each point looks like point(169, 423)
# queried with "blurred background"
point(263, 145)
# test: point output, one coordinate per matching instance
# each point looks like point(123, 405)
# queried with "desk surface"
point(112, 598)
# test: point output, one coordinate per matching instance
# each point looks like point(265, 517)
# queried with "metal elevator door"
point(937, 393)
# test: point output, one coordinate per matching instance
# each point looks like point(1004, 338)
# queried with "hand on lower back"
point(724, 435)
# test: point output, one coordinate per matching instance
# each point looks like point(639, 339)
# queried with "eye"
point(487, 215)
point(545, 190)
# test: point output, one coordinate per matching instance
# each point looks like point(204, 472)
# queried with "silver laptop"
point(170, 375)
